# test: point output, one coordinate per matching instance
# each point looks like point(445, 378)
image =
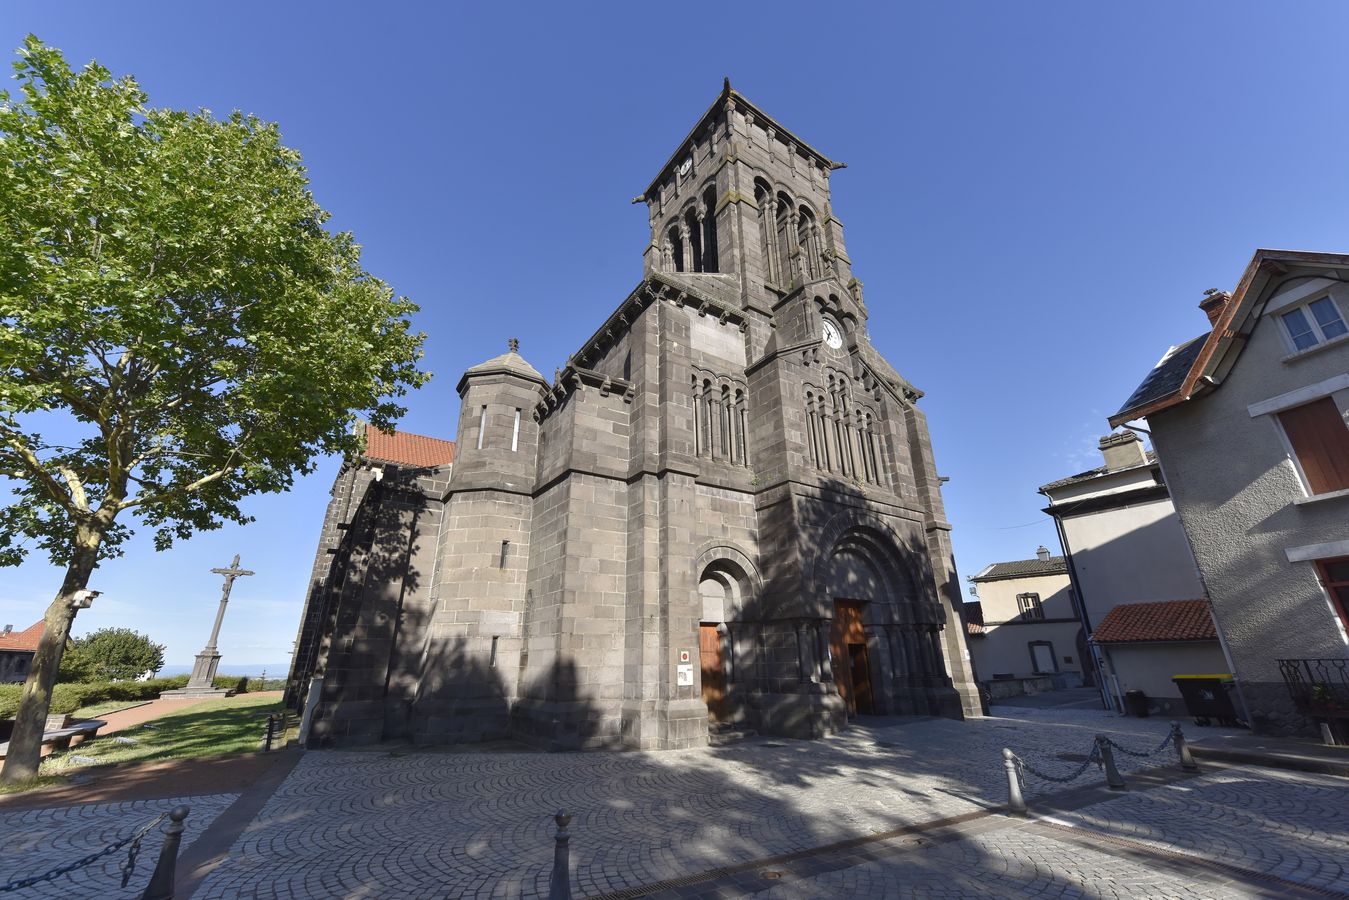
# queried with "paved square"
point(405, 823)
point(36, 841)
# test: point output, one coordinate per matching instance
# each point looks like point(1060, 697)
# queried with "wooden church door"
point(714, 675)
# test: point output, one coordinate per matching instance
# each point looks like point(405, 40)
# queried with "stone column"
point(770, 220)
point(822, 642)
point(801, 651)
point(917, 660)
point(685, 247)
point(898, 660)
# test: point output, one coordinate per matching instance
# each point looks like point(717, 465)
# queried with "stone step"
point(718, 734)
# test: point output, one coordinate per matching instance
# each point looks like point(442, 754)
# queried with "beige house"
point(1141, 598)
point(1249, 423)
point(16, 651)
point(1029, 638)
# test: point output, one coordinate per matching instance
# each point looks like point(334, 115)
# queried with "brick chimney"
point(1214, 303)
point(1042, 553)
point(1122, 450)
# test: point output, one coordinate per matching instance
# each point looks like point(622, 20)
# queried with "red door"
point(848, 653)
point(714, 676)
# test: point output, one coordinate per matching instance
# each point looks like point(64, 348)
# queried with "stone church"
point(722, 513)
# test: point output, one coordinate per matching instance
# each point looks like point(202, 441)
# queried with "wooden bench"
point(64, 738)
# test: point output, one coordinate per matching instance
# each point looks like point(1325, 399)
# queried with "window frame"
point(1291, 448)
point(1031, 607)
point(1337, 605)
point(1305, 308)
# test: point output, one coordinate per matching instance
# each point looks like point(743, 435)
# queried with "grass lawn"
point(97, 709)
point(213, 728)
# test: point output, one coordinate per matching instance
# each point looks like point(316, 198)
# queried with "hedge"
point(70, 696)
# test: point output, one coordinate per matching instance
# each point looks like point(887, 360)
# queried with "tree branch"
point(20, 451)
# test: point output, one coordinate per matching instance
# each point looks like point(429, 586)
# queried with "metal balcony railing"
point(1319, 687)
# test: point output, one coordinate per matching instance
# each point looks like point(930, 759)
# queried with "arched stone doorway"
point(885, 646)
point(723, 587)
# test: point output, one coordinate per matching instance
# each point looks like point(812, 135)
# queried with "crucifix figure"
point(230, 574)
point(202, 682)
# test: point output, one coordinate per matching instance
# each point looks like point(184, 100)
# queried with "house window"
point(1335, 576)
point(1030, 606)
point(1314, 323)
point(1320, 440)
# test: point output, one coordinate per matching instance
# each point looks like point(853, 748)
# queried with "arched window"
point(808, 239)
point(677, 247)
point(741, 426)
point(811, 429)
point(763, 198)
point(694, 230)
point(708, 418)
point(709, 242)
point(786, 238)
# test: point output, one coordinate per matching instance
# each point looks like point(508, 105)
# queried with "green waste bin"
point(1208, 697)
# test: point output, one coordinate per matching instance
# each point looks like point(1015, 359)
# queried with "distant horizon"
point(273, 670)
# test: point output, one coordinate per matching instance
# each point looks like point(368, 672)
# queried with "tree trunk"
point(25, 744)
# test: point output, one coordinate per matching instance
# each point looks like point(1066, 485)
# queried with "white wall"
point(1134, 554)
point(1006, 649)
point(1149, 667)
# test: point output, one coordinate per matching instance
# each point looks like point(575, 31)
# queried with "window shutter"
point(1321, 442)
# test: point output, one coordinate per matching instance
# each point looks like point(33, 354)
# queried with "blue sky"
point(1037, 195)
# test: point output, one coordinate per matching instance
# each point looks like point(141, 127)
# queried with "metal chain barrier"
point(1093, 757)
point(1101, 754)
point(1166, 742)
point(128, 868)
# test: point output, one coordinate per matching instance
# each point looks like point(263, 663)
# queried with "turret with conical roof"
point(497, 433)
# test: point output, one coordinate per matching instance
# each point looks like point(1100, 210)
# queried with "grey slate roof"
point(511, 361)
point(1167, 376)
point(1022, 568)
point(1093, 473)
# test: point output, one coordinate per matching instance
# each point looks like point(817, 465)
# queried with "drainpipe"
point(1203, 583)
point(1081, 605)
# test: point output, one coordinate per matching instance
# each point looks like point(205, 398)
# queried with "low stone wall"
point(1018, 687)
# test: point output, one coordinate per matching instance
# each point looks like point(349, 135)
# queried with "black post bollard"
point(559, 886)
point(1113, 779)
point(1187, 762)
point(267, 741)
point(1016, 803)
point(161, 883)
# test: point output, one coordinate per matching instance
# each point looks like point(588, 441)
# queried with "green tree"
point(172, 307)
point(111, 654)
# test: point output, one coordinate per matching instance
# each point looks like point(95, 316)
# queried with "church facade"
point(723, 512)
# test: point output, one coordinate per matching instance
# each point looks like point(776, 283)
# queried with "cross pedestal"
point(201, 685)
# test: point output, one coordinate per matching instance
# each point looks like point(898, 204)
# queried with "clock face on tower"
point(832, 335)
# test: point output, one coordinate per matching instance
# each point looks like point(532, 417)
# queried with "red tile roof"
point(407, 449)
point(23, 640)
point(1167, 620)
point(974, 629)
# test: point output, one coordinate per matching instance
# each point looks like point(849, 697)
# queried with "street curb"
point(1295, 762)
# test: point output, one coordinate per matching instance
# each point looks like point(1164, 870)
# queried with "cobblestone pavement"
point(421, 823)
point(1291, 826)
point(36, 841)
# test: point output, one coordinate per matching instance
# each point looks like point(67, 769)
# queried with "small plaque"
point(684, 674)
point(683, 656)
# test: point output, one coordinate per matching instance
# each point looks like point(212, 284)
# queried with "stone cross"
point(230, 574)
point(202, 682)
